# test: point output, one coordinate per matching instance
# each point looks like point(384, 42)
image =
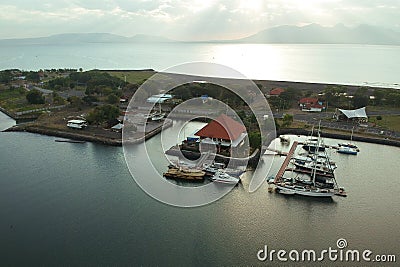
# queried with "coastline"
point(118, 142)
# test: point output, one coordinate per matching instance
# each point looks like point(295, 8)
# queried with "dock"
point(285, 163)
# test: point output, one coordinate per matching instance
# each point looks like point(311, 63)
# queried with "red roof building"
point(223, 127)
point(311, 104)
point(276, 92)
point(308, 100)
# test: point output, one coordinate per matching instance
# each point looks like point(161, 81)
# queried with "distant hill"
point(317, 34)
point(73, 38)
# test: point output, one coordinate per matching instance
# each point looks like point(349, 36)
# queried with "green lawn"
point(133, 76)
point(14, 100)
point(390, 122)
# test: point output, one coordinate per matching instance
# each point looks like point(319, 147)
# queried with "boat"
point(158, 116)
point(310, 191)
point(222, 177)
point(211, 169)
point(184, 173)
point(321, 168)
point(312, 145)
point(70, 141)
point(77, 124)
point(347, 150)
point(320, 160)
point(310, 188)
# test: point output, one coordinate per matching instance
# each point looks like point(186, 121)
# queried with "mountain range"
point(309, 34)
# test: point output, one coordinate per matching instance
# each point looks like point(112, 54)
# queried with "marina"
point(131, 215)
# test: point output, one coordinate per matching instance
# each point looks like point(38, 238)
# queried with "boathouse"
point(226, 134)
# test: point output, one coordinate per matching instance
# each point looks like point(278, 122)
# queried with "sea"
point(69, 204)
point(370, 65)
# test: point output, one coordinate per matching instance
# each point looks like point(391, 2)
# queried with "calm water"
point(345, 64)
point(76, 204)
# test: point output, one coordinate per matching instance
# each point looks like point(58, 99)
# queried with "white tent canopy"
point(356, 113)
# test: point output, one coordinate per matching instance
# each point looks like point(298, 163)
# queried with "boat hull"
point(308, 193)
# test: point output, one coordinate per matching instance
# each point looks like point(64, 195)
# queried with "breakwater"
point(374, 140)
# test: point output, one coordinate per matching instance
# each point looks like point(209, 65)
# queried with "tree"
point(32, 76)
point(287, 120)
point(112, 99)
point(255, 139)
point(35, 97)
point(103, 114)
point(75, 102)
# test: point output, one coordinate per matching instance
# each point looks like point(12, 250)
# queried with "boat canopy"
point(355, 113)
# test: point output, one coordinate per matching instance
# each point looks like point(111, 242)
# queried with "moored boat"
point(223, 177)
point(184, 173)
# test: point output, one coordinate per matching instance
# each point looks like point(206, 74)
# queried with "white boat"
point(310, 191)
point(158, 116)
point(77, 124)
point(313, 145)
point(320, 160)
point(322, 168)
point(347, 150)
point(223, 177)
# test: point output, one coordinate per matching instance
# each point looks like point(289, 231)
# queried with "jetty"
point(285, 163)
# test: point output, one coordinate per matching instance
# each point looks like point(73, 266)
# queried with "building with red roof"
point(223, 132)
point(311, 104)
point(276, 92)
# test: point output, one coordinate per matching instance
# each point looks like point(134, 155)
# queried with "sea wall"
point(381, 141)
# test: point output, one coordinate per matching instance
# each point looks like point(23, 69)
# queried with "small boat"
point(70, 141)
point(223, 177)
point(184, 173)
point(158, 116)
point(347, 150)
point(341, 192)
point(320, 160)
point(312, 147)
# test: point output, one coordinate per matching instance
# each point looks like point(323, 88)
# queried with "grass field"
point(133, 76)
point(389, 122)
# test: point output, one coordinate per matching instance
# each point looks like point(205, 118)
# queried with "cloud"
point(187, 20)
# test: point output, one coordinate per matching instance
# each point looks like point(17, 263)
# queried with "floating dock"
point(285, 163)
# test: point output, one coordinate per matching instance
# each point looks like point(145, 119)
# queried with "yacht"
point(222, 177)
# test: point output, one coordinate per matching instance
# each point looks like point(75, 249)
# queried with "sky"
point(187, 20)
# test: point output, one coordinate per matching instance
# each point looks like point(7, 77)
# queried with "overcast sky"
point(186, 20)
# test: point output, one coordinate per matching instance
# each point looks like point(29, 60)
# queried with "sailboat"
point(311, 188)
point(157, 116)
point(311, 145)
point(348, 148)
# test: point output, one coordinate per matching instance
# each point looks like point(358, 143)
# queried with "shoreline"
point(118, 142)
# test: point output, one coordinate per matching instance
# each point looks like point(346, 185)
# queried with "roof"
point(77, 121)
point(356, 113)
point(159, 98)
point(276, 91)
point(222, 127)
point(117, 126)
point(306, 100)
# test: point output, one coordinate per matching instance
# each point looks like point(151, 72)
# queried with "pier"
point(286, 162)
